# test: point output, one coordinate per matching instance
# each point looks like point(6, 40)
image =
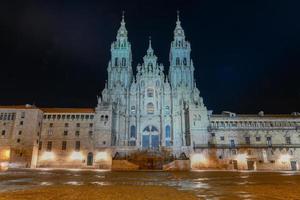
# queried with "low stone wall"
point(123, 165)
point(177, 165)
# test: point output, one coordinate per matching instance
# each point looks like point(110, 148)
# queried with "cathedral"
point(153, 109)
point(149, 120)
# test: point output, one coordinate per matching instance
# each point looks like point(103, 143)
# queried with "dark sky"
point(246, 53)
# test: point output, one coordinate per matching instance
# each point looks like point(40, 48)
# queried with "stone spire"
point(150, 50)
point(122, 32)
point(178, 32)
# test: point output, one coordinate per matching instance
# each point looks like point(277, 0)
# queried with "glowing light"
point(284, 158)
point(76, 156)
point(5, 154)
point(101, 156)
point(3, 166)
point(242, 157)
point(48, 156)
point(198, 159)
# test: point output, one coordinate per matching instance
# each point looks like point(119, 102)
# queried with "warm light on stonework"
point(48, 156)
point(241, 157)
point(76, 156)
point(284, 158)
point(101, 156)
point(5, 154)
point(197, 159)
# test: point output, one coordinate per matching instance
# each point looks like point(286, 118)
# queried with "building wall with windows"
point(262, 142)
point(67, 137)
point(20, 131)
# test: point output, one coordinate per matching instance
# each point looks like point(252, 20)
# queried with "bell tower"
point(119, 67)
point(181, 71)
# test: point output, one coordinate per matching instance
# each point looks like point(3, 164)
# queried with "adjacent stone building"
point(154, 114)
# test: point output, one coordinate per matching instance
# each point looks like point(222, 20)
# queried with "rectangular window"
point(49, 146)
point(77, 133)
point(23, 115)
point(91, 124)
point(51, 125)
point(288, 140)
point(65, 133)
point(64, 145)
point(78, 125)
point(257, 139)
point(77, 146)
point(40, 145)
point(247, 140)
point(232, 144)
point(222, 138)
point(66, 125)
point(3, 132)
point(20, 132)
point(21, 122)
point(269, 141)
point(90, 133)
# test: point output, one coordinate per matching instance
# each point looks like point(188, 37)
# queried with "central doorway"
point(90, 159)
point(150, 137)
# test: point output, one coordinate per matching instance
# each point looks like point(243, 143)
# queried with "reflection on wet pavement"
point(204, 184)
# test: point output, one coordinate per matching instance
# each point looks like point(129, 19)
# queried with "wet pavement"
point(201, 184)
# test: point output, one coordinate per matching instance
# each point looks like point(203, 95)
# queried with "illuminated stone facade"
point(150, 111)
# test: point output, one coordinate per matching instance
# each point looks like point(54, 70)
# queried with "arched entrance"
point(90, 159)
point(150, 137)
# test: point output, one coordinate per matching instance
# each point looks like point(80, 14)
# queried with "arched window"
point(150, 108)
point(132, 132)
point(168, 131)
point(116, 61)
point(184, 61)
point(177, 61)
point(123, 61)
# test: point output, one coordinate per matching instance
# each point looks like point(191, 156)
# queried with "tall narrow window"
point(177, 61)
point(288, 140)
point(168, 131)
point(77, 146)
point(232, 144)
point(269, 141)
point(116, 61)
point(184, 62)
point(247, 140)
point(40, 145)
point(132, 132)
point(64, 145)
point(123, 62)
point(49, 146)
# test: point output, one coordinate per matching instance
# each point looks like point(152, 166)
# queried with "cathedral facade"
point(152, 109)
point(151, 113)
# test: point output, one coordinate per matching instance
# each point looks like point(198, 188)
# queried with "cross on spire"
point(150, 50)
point(123, 14)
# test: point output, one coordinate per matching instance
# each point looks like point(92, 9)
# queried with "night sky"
point(246, 53)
